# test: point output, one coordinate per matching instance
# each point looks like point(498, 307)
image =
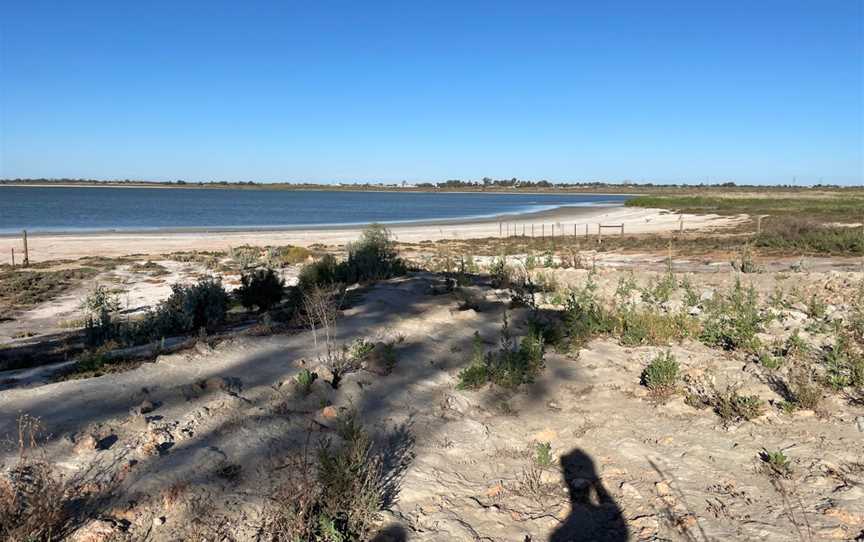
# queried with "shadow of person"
point(594, 515)
point(391, 533)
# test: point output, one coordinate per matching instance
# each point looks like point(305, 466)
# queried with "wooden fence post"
point(26, 251)
point(532, 230)
point(586, 230)
point(759, 224)
point(13, 257)
point(499, 229)
point(622, 229)
point(542, 231)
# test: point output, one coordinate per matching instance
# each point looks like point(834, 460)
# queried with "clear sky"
point(751, 91)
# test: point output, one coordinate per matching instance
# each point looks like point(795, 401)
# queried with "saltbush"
point(262, 288)
point(661, 375)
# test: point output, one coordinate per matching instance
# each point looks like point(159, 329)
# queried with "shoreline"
point(532, 215)
point(562, 220)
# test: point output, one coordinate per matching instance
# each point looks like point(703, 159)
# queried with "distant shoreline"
point(342, 188)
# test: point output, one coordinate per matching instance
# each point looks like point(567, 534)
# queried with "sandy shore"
point(564, 220)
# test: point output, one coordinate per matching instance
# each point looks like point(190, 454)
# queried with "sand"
point(656, 469)
point(565, 220)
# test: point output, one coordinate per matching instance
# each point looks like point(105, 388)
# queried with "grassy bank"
point(847, 205)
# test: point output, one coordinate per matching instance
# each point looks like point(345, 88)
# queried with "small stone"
point(663, 489)
point(630, 492)
point(85, 443)
point(145, 407)
point(329, 413)
point(860, 422)
point(158, 522)
point(550, 476)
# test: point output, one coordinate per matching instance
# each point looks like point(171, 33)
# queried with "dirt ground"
point(199, 438)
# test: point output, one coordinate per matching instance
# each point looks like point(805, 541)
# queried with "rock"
point(629, 492)
point(550, 476)
point(860, 422)
point(84, 443)
point(324, 373)
point(145, 407)
point(706, 295)
point(694, 311)
point(663, 489)
point(97, 530)
point(159, 521)
point(329, 413)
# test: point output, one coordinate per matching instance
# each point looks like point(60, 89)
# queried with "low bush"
point(262, 288)
point(844, 364)
point(806, 237)
point(733, 407)
point(733, 320)
point(509, 367)
point(37, 503)
point(661, 375)
point(203, 305)
point(100, 299)
point(333, 496)
point(373, 257)
point(304, 380)
point(648, 327)
point(776, 462)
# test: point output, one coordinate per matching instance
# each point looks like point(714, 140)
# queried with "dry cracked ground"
point(195, 444)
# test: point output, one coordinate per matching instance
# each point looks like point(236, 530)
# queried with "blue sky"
point(756, 92)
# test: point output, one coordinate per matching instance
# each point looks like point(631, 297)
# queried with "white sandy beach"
point(565, 221)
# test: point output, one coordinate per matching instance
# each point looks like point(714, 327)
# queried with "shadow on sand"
point(594, 515)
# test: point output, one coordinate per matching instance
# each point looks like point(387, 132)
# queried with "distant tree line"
point(450, 184)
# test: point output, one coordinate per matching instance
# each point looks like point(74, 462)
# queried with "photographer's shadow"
point(594, 515)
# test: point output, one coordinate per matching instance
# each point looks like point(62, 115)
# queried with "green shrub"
point(323, 272)
point(262, 288)
point(100, 299)
point(304, 380)
point(360, 348)
point(509, 367)
point(373, 257)
point(733, 320)
point(661, 375)
point(476, 374)
point(335, 497)
point(543, 455)
point(584, 316)
point(845, 365)
point(203, 305)
point(731, 406)
point(776, 462)
point(500, 273)
point(647, 327)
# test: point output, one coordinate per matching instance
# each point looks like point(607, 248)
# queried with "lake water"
point(62, 209)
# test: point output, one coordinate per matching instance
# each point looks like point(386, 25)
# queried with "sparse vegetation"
point(733, 407)
point(333, 496)
point(509, 367)
point(661, 375)
point(733, 320)
point(304, 380)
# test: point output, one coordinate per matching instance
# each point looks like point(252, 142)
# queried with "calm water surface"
point(61, 209)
